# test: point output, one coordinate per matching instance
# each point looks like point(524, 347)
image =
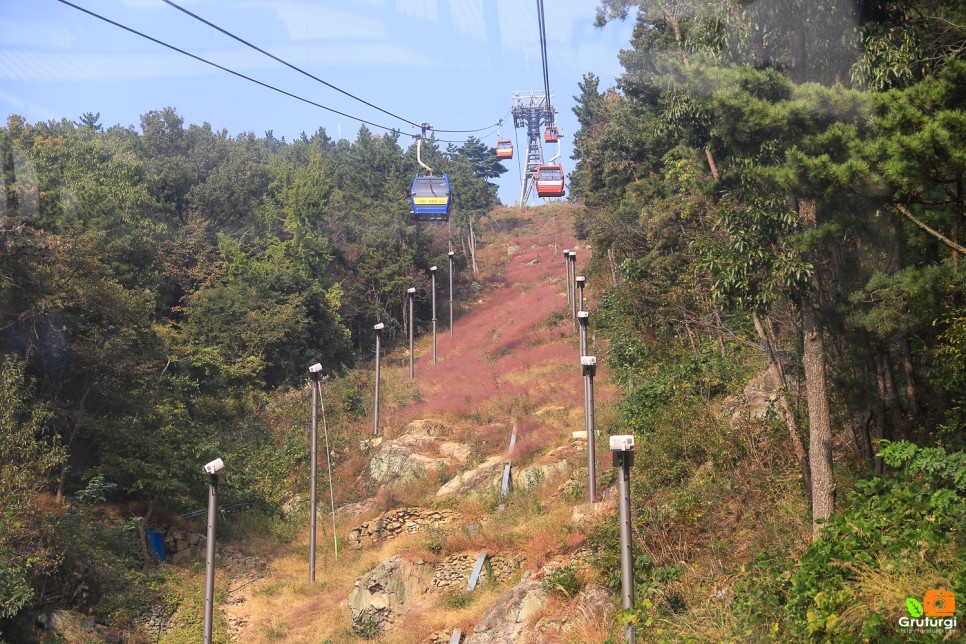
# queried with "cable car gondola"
point(430, 198)
point(504, 149)
point(551, 134)
point(550, 181)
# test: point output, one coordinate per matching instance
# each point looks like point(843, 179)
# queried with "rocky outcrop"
point(396, 522)
point(535, 475)
point(486, 473)
point(412, 456)
point(589, 607)
point(391, 589)
point(386, 593)
point(511, 616)
point(756, 400)
point(356, 511)
point(71, 626)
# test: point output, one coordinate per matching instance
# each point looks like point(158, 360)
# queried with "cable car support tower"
point(531, 110)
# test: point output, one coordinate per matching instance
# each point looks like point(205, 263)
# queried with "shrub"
point(459, 599)
point(899, 535)
point(565, 580)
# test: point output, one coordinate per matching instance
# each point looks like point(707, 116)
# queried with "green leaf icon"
point(915, 608)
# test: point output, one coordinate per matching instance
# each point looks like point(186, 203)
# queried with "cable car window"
point(430, 186)
point(549, 174)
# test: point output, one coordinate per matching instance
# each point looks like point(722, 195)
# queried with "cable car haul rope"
point(430, 195)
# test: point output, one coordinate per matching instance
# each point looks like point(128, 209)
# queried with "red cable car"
point(551, 134)
point(504, 149)
point(550, 181)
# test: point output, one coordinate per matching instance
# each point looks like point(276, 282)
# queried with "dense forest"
point(791, 175)
point(158, 285)
point(772, 186)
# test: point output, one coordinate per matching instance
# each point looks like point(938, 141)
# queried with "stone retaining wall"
point(181, 544)
point(454, 572)
point(396, 522)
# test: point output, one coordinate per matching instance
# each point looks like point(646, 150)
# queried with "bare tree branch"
point(935, 233)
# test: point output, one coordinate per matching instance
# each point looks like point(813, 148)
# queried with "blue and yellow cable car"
point(430, 197)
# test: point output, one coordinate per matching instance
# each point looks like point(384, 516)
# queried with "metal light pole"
point(432, 272)
point(314, 371)
point(566, 257)
point(375, 414)
point(622, 448)
point(583, 317)
point(212, 469)
point(450, 255)
point(412, 368)
point(589, 366)
point(580, 279)
point(573, 300)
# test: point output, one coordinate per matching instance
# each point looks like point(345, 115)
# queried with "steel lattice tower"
point(530, 112)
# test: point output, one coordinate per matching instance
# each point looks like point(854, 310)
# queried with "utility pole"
point(573, 289)
point(450, 256)
point(432, 272)
point(583, 318)
point(589, 366)
point(412, 367)
point(622, 448)
point(566, 258)
point(314, 371)
point(212, 469)
point(375, 415)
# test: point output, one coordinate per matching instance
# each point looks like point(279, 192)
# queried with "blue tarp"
point(156, 539)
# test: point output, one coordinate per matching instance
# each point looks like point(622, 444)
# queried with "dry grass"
point(499, 368)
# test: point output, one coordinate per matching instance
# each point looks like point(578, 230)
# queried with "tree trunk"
point(143, 533)
point(909, 373)
point(861, 438)
point(613, 265)
point(786, 407)
point(711, 163)
point(717, 329)
point(62, 478)
point(888, 392)
point(476, 270)
point(816, 385)
point(878, 410)
point(819, 417)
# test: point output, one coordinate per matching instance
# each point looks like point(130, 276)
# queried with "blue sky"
point(452, 63)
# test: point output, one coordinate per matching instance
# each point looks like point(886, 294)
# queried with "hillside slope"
point(512, 362)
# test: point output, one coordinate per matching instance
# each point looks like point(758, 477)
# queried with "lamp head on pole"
point(379, 327)
point(215, 466)
point(432, 269)
point(588, 365)
point(624, 443)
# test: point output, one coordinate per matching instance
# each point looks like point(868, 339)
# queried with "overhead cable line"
point(313, 77)
point(288, 64)
point(543, 55)
point(231, 71)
